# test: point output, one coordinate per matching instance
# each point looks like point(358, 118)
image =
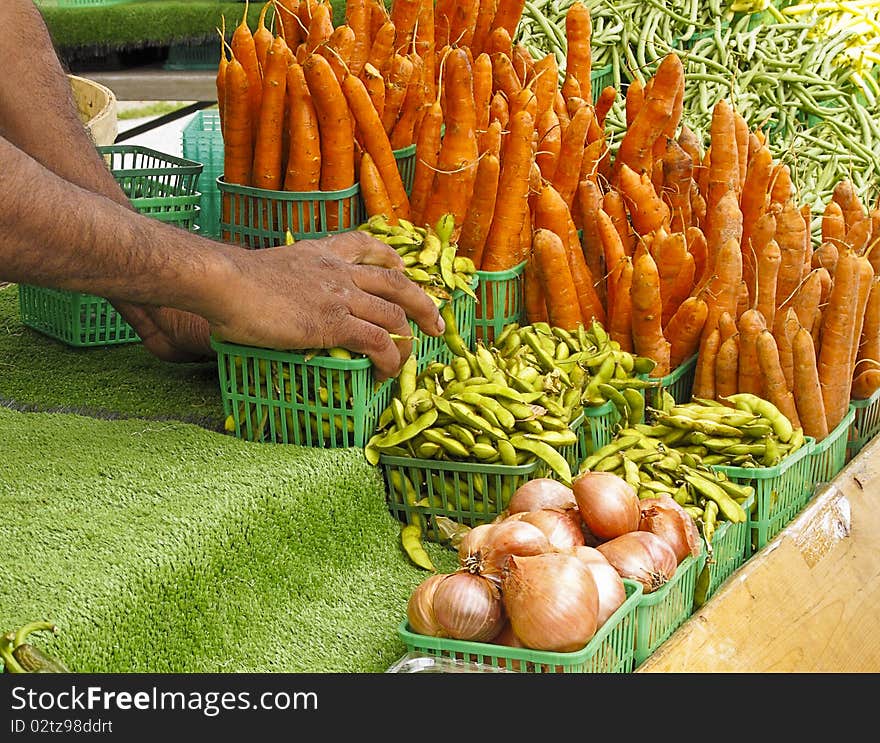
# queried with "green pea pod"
point(395, 438)
point(461, 368)
point(411, 539)
point(772, 453)
point(447, 256)
point(617, 399)
point(544, 359)
point(485, 452)
point(530, 425)
point(398, 412)
point(403, 487)
point(450, 333)
point(709, 427)
point(630, 472)
point(468, 417)
point(729, 508)
point(609, 464)
point(635, 403)
point(484, 403)
point(463, 282)
point(462, 434)
point(430, 252)
point(507, 452)
point(545, 452)
point(453, 447)
point(753, 404)
point(558, 439)
point(710, 520)
point(428, 450)
point(416, 404)
point(618, 444)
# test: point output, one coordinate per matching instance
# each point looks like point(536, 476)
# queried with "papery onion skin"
point(468, 607)
point(641, 556)
point(420, 607)
point(541, 492)
point(667, 519)
point(511, 537)
point(609, 584)
point(608, 504)
point(551, 601)
point(472, 541)
point(561, 527)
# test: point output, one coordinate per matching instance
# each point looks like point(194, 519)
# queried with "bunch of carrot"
point(306, 106)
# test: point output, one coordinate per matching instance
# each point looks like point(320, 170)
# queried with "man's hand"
point(345, 290)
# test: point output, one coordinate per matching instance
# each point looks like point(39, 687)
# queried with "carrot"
point(238, 143)
point(676, 268)
point(591, 160)
point(267, 146)
point(584, 280)
point(765, 288)
point(615, 207)
point(636, 146)
point(833, 224)
point(404, 14)
point(566, 174)
point(722, 288)
point(320, 27)
point(873, 249)
point(776, 388)
point(807, 387)
point(648, 338)
point(690, 144)
point(263, 37)
point(589, 199)
point(533, 295)
point(507, 15)
point(704, 373)
point(245, 51)
point(504, 77)
point(790, 235)
point(482, 75)
point(634, 100)
point(696, 245)
point(412, 109)
point(620, 309)
point(647, 210)
point(857, 235)
point(338, 48)
point(486, 10)
point(524, 100)
point(425, 46)
point(523, 63)
point(556, 281)
point(499, 110)
point(750, 377)
point(725, 222)
point(501, 248)
point(825, 256)
point(727, 367)
point(373, 191)
point(604, 103)
point(303, 167)
point(561, 111)
point(578, 57)
point(382, 52)
point(376, 145)
point(613, 252)
point(478, 220)
point(677, 175)
point(457, 161)
point(845, 195)
point(754, 193)
point(698, 206)
point(378, 17)
point(285, 18)
point(546, 82)
point(741, 132)
point(684, 330)
point(463, 21)
point(220, 80)
point(375, 84)
point(335, 126)
point(865, 384)
point(806, 299)
point(763, 230)
point(396, 85)
point(866, 279)
point(549, 143)
point(869, 343)
point(783, 332)
point(727, 326)
point(781, 188)
point(499, 41)
point(357, 18)
point(525, 237)
point(723, 172)
point(427, 153)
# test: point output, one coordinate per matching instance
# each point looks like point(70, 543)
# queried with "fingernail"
point(441, 326)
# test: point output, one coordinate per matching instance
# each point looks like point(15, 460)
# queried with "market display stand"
point(808, 602)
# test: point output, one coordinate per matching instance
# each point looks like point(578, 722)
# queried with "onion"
point(468, 606)
point(609, 584)
point(542, 492)
point(507, 637)
point(641, 556)
point(510, 537)
point(664, 517)
point(420, 607)
point(551, 601)
point(608, 504)
point(472, 541)
point(561, 527)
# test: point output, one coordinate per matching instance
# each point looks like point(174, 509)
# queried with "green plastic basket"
point(287, 398)
point(611, 650)
point(259, 218)
point(203, 143)
point(429, 348)
point(469, 493)
point(865, 424)
point(499, 301)
point(600, 79)
point(679, 383)
point(829, 455)
point(160, 186)
point(406, 166)
point(780, 493)
point(730, 547)
point(203, 56)
point(663, 611)
point(598, 429)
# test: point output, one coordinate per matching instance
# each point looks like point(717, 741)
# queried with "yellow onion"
point(468, 606)
point(471, 543)
point(562, 527)
point(641, 556)
point(541, 492)
point(608, 504)
point(510, 537)
point(420, 607)
point(609, 584)
point(551, 601)
point(667, 519)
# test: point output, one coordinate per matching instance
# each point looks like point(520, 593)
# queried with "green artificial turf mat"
point(37, 371)
point(164, 547)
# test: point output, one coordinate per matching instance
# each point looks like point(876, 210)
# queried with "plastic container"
point(612, 649)
point(598, 428)
point(287, 398)
point(469, 493)
point(730, 548)
point(429, 348)
point(421, 663)
point(499, 301)
point(406, 166)
point(829, 454)
point(663, 611)
point(260, 218)
point(600, 79)
point(204, 56)
point(160, 186)
point(865, 424)
point(780, 493)
point(203, 143)
point(679, 383)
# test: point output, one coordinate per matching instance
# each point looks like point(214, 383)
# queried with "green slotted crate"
point(202, 142)
point(829, 455)
point(406, 166)
point(499, 301)
point(611, 650)
point(865, 423)
point(598, 429)
point(429, 348)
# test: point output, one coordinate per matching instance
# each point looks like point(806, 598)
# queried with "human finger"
point(373, 341)
point(385, 314)
point(396, 288)
point(357, 247)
